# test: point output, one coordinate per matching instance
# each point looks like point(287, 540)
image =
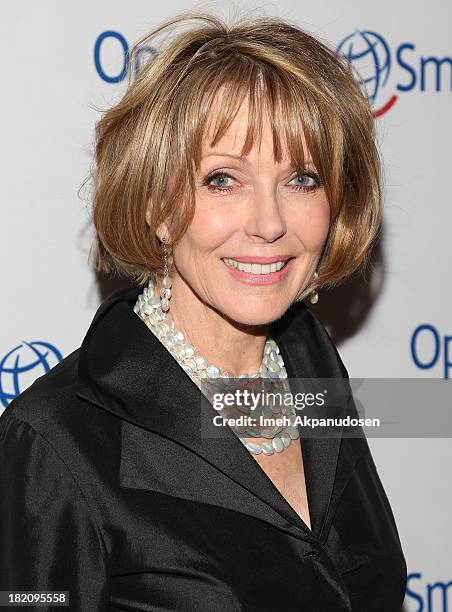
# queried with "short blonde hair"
point(157, 129)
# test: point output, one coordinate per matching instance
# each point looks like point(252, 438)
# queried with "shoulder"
point(50, 411)
point(50, 399)
point(48, 394)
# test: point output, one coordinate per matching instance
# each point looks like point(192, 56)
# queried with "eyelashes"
point(217, 175)
point(225, 176)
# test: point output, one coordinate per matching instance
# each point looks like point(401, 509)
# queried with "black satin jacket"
point(109, 491)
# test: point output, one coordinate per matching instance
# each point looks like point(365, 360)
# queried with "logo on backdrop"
point(370, 54)
point(431, 349)
point(22, 365)
point(367, 50)
point(110, 39)
point(429, 596)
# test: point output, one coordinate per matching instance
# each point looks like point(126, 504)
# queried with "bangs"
point(303, 129)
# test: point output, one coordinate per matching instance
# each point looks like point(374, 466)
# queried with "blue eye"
point(221, 177)
point(307, 187)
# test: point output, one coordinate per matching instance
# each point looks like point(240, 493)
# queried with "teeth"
point(254, 268)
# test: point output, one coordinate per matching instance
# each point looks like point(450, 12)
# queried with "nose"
point(266, 218)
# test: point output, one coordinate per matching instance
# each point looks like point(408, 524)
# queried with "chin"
point(252, 316)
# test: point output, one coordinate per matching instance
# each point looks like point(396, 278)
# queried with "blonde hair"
point(156, 131)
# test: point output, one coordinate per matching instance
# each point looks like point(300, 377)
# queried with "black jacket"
point(109, 491)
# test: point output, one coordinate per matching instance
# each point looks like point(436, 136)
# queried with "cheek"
point(209, 228)
point(312, 222)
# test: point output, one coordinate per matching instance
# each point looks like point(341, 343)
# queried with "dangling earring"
point(165, 291)
point(314, 297)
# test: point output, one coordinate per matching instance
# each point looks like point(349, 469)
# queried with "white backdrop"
point(52, 83)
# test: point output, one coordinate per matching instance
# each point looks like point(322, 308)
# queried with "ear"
point(162, 232)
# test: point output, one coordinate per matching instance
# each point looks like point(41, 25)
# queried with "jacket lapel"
point(328, 456)
point(124, 369)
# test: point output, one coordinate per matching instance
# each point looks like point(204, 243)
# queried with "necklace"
point(149, 308)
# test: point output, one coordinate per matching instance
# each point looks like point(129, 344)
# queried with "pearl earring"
point(314, 297)
point(165, 291)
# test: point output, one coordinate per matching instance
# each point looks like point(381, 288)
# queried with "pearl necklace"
point(149, 308)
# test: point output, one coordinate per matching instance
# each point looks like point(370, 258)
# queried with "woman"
point(238, 174)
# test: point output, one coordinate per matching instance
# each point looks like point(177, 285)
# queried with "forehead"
point(235, 134)
point(258, 128)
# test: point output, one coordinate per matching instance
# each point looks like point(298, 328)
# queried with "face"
point(257, 233)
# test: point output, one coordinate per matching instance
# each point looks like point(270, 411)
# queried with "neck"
point(233, 347)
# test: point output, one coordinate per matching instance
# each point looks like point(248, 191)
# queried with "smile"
point(254, 268)
point(253, 273)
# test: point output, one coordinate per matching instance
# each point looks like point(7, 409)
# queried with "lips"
point(255, 267)
point(252, 273)
point(260, 260)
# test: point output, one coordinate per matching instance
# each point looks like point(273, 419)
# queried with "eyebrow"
point(308, 162)
point(239, 157)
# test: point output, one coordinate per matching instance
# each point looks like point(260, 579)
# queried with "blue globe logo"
point(371, 57)
point(22, 365)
